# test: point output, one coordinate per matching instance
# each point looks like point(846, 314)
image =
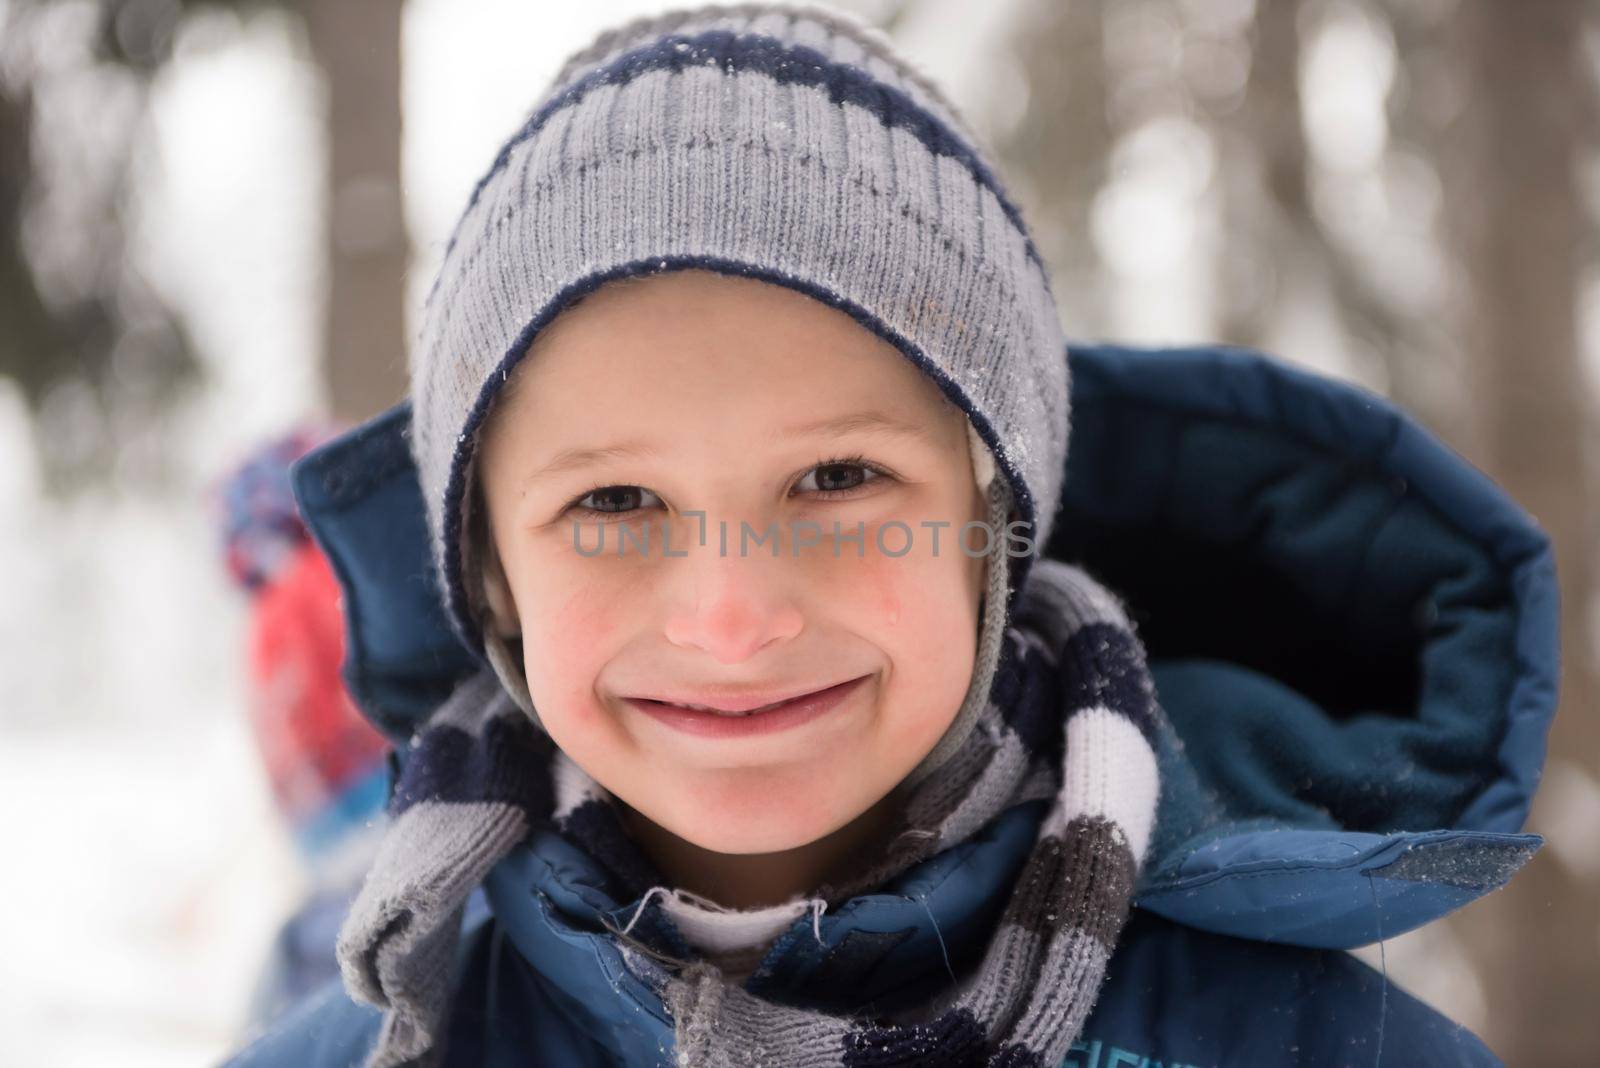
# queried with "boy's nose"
point(731, 607)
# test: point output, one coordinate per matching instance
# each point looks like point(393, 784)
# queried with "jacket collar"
point(889, 949)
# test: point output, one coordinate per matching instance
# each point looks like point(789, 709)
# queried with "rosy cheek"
point(884, 575)
point(585, 619)
point(917, 590)
point(570, 639)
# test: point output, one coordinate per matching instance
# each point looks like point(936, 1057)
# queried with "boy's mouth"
point(722, 711)
point(749, 705)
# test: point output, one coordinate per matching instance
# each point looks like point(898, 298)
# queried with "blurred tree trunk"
point(356, 43)
point(1517, 222)
point(1056, 157)
point(97, 354)
point(1277, 242)
point(33, 339)
point(1261, 171)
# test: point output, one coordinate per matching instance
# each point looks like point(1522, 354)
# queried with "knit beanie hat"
point(785, 143)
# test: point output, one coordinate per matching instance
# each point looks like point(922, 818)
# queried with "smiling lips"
point(734, 706)
point(735, 719)
point(727, 711)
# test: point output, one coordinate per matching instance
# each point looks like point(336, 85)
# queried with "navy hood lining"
point(1374, 679)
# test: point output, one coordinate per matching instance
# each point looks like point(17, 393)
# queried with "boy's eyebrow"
point(854, 423)
point(567, 459)
point(857, 422)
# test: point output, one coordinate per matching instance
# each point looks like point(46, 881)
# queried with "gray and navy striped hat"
point(791, 144)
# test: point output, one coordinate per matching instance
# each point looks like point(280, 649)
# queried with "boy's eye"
point(830, 477)
point(613, 500)
point(838, 476)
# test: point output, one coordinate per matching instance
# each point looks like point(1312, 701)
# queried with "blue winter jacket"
point(1354, 635)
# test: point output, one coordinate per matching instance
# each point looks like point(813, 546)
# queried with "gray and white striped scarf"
point(1072, 716)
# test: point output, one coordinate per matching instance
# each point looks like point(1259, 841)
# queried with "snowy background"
point(148, 867)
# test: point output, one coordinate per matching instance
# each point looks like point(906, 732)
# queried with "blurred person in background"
point(325, 763)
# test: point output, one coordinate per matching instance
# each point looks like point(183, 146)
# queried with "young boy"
point(761, 699)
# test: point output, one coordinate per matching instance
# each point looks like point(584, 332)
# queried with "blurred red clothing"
point(314, 741)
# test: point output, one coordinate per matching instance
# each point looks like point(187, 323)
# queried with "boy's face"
point(709, 378)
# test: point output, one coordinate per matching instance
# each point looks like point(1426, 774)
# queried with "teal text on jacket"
point(1096, 1054)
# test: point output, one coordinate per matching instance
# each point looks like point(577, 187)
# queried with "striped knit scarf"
point(1072, 717)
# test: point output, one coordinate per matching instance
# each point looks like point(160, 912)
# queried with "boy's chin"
point(755, 838)
point(718, 833)
point(774, 821)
